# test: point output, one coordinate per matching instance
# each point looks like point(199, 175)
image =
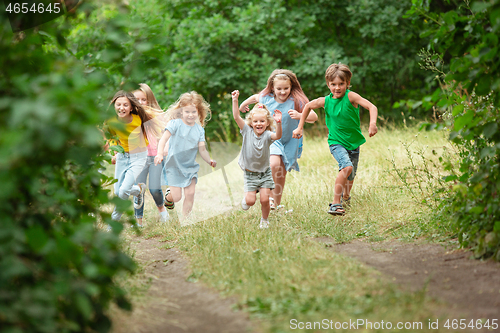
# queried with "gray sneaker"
point(139, 199)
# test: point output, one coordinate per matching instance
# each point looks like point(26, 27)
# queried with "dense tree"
point(464, 34)
point(57, 269)
point(217, 46)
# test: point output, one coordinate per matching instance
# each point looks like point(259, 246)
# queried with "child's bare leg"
point(279, 176)
point(188, 198)
point(250, 198)
point(264, 202)
point(347, 189)
point(341, 183)
point(175, 194)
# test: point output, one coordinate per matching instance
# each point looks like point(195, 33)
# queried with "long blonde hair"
point(261, 108)
point(154, 110)
point(299, 98)
point(190, 98)
point(150, 97)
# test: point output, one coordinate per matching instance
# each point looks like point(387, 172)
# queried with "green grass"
point(281, 274)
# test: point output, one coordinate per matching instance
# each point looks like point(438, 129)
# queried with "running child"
point(255, 153)
point(148, 100)
point(344, 131)
point(283, 92)
point(187, 137)
point(130, 125)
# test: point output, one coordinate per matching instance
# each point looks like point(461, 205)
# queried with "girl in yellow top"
point(130, 125)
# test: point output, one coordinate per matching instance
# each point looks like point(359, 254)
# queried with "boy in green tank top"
point(344, 131)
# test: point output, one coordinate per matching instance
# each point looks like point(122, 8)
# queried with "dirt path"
point(172, 304)
point(470, 287)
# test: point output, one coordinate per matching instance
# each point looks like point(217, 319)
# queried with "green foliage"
point(466, 35)
point(214, 47)
point(422, 175)
point(56, 267)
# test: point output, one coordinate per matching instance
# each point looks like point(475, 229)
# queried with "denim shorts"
point(346, 158)
point(257, 180)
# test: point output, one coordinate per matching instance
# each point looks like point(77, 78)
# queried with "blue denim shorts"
point(346, 158)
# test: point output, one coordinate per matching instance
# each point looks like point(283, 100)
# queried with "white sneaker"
point(139, 199)
point(164, 217)
point(244, 204)
point(264, 224)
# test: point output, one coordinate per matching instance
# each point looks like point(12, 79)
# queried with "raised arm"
point(250, 100)
point(161, 146)
point(205, 155)
point(314, 104)
point(277, 118)
point(356, 100)
point(236, 110)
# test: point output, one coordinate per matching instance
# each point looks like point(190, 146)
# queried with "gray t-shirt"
point(255, 152)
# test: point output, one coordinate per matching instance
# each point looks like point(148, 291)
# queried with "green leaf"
point(462, 121)
point(450, 178)
point(117, 148)
point(84, 305)
point(476, 210)
point(497, 226)
point(36, 237)
point(490, 129)
point(480, 6)
point(457, 109)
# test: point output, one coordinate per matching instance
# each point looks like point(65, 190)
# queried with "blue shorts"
point(346, 158)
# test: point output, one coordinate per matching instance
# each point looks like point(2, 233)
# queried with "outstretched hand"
point(294, 114)
point(235, 94)
point(277, 116)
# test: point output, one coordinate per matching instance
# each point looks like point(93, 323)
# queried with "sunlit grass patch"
point(280, 274)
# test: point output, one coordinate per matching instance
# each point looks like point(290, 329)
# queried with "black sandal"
point(336, 209)
point(168, 204)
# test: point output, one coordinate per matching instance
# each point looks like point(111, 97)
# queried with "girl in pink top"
point(146, 97)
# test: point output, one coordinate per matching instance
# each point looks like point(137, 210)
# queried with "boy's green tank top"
point(342, 120)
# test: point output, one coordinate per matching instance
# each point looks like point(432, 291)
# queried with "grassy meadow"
point(282, 273)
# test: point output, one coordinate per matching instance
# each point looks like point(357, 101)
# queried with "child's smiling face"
point(282, 89)
point(259, 123)
point(338, 87)
point(123, 107)
point(189, 114)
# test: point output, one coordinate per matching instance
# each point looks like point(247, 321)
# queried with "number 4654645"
point(39, 8)
point(473, 324)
